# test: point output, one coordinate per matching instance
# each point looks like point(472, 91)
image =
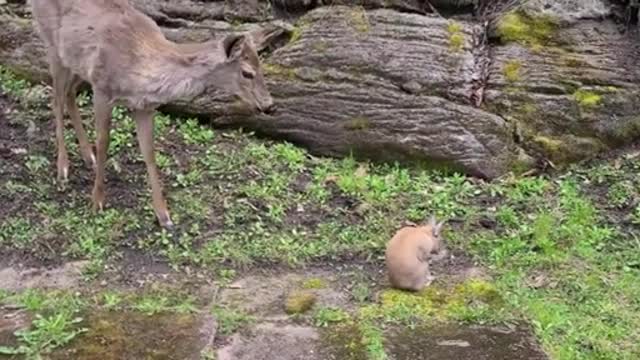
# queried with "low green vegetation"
point(562, 250)
point(230, 320)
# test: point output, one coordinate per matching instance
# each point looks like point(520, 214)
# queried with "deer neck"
point(182, 72)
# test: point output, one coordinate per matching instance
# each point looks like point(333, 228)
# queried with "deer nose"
point(271, 109)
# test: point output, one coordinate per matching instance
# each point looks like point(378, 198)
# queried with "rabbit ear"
point(437, 228)
point(432, 221)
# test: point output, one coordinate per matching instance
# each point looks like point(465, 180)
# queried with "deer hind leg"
point(102, 112)
point(60, 76)
point(76, 120)
point(144, 130)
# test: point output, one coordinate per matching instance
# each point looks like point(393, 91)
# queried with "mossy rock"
point(456, 36)
point(532, 31)
point(566, 149)
point(299, 302)
point(511, 70)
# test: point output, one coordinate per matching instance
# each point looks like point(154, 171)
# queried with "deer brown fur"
point(127, 60)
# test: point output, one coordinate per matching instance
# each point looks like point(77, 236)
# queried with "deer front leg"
point(59, 77)
point(102, 110)
point(76, 120)
point(144, 129)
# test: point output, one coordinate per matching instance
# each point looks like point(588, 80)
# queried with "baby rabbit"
point(408, 252)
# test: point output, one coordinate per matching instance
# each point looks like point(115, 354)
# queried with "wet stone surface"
point(463, 343)
point(273, 341)
point(134, 336)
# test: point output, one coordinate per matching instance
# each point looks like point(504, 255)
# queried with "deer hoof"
point(63, 173)
point(98, 207)
point(168, 225)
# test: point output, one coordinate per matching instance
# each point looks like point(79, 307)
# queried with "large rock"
point(555, 80)
point(567, 79)
point(384, 85)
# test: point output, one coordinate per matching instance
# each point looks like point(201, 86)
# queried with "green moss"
point(573, 62)
point(278, 70)
point(358, 19)
point(476, 299)
point(296, 32)
point(548, 144)
point(345, 341)
point(528, 109)
point(519, 27)
point(567, 148)
point(456, 37)
point(587, 98)
point(454, 27)
point(329, 316)
point(314, 283)
point(511, 70)
point(299, 302)
point(358, 123)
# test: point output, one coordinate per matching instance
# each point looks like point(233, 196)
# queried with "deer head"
point(245, 72)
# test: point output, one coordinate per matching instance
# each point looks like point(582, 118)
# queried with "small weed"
point(150, 305)
point(111, 300)
point(194, 133)
point(326, 316)
point(620, 193)
point(46, 334)
point(37, 163)
point(230, 321)
point(361, 292)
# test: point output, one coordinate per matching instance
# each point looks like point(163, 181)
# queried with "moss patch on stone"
point(358, 19)
point(456, 37)
point(511, 70)
point(472, 300)
point(587, 99)
point(563, 150)
point(296, 32)
point(516, 26)
point(299, 302)
point(358, 123)
point(314, 283)
point(278, 70)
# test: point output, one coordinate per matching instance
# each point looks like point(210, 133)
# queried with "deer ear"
point(232, 45)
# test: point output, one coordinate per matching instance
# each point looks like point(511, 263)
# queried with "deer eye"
point(247, 74)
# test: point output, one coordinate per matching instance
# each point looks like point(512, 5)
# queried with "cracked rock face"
point(386, 80)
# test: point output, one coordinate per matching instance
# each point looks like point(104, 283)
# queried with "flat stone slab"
point(63, 277)
point(269, 341)
point(463, 343)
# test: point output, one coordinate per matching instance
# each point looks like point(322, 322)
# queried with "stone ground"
point(270, 334)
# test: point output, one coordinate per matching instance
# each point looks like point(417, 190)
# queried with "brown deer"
point(126, 59)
